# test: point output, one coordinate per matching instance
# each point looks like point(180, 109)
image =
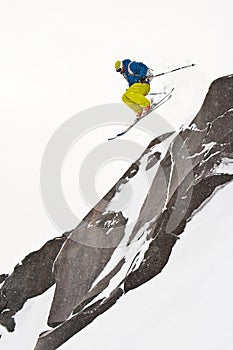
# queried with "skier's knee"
point(124, 98)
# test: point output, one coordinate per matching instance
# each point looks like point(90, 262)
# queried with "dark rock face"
point(30, 278)
point(107, 246)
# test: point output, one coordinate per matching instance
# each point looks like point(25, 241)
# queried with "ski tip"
point(113, 138)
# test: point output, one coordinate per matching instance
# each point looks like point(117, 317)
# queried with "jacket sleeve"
point(143, 69)
point(139, 68)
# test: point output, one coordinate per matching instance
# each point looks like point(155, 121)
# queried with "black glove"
point(142, 79)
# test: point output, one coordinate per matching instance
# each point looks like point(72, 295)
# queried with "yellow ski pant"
point(135, 98)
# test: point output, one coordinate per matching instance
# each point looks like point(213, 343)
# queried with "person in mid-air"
point(137, 75)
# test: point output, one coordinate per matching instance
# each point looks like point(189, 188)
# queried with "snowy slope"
point(187, 306)
point(190, 275)
point(79, 267)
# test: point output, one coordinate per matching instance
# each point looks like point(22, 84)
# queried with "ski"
point(154, 106)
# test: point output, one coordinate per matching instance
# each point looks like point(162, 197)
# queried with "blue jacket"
point(134, 71)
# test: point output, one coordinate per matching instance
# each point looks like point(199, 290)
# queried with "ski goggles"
point(119, 69)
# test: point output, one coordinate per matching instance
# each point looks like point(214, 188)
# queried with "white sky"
point(57, 59)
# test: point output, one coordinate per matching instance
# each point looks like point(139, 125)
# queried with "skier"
point(137, 75)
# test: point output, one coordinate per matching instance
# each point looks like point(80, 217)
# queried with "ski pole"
point(173, 70)
point(157, 93)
